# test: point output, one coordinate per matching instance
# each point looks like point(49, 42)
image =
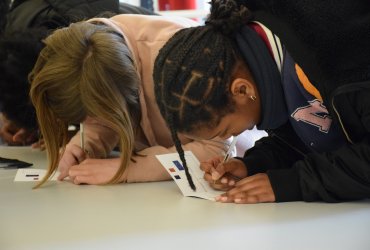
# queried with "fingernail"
point(215, 175)
point(223, 198)
point(224, 181)
point(237, 200)
point(218, 198)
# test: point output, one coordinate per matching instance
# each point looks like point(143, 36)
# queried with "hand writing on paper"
point(72, 155)
point(94, 171)
point(253, 189)
point(223, 176)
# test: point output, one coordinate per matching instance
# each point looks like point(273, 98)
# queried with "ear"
point(242, 89)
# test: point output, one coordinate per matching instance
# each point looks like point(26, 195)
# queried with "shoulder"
point(149, 29)
point(152, 23)
point(23, 15)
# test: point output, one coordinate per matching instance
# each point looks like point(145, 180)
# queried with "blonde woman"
point(99, 72)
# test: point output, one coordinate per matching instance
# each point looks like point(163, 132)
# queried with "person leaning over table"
point(99, 73)
point(289, 68)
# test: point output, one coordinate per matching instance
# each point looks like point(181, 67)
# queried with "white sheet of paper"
point(32, 174)
point(172, 163)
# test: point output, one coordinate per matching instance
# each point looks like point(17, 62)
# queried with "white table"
point(61, 215)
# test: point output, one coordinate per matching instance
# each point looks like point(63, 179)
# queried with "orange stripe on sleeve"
point(306, 83)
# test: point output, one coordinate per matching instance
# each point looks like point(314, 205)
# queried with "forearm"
point(280, 150)
point(146, 166)
point(335, 176)
point(99, 140)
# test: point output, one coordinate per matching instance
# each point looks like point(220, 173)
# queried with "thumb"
point(218, 172)
point(62, 175)
point(20, 135)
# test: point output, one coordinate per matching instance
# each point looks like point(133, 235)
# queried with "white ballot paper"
point(32, 174)
point(173, 165)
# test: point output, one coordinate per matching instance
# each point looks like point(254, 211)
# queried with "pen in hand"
point(82, 142)
point(227, 156)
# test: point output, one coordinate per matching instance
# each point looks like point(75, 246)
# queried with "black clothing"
point(60, 13)
point(330, 41)
point(28, 22)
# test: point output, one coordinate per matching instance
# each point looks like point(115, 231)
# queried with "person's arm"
point(332, 177)
point(143, 168)
point(99, 139)
point(340, 175)
point(148, 168)
point(279, 150)
point(13, 135)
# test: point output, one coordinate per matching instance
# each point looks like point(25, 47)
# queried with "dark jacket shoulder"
point(328, 39)
point(53, 14)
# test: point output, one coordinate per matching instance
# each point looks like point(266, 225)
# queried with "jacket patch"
point(314, 114)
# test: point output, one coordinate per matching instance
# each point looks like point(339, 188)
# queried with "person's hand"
point(223, 176)
point(40, 144)
point(253, 189)
point(94, 171)
point(73, 155)
point(14, 135)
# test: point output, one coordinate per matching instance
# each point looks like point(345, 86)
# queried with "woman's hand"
point(94, 171)
point(223, 176)
point(253, 189)
point(73, 155)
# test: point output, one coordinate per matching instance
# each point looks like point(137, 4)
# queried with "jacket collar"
point(266, 76)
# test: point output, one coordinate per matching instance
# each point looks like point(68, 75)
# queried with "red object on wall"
point(177, 4)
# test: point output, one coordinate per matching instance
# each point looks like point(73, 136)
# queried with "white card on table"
point(173, 164)
point(32, 174)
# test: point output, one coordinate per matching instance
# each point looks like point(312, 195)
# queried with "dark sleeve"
point(125, 8)
point(255, 5)
point(316, 40)
point(277, 153)
point(23, 15)
point(279, 150)
point(340, 175)
point(4, 8)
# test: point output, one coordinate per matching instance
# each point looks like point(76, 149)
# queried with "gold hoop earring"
point(253, 98)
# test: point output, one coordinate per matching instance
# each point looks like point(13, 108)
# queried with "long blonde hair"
point(85, 70)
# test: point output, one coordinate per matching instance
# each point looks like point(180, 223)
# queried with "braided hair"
point(193, 71)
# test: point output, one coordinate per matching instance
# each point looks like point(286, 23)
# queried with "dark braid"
point(181, 153)
point(228, 16)
point(193, 72)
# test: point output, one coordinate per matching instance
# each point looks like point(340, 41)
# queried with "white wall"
point(202, 4)
point(133, 2)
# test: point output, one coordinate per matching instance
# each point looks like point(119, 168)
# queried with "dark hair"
point(18, 53)
point(193, 71)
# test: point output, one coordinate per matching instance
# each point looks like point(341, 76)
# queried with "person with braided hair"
point(290, 69)
point(98, 73)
